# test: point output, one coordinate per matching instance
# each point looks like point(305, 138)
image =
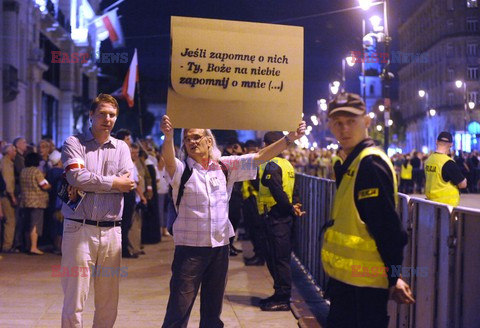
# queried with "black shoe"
point(130, 256)
point(233, 253)
point(257, 261)
point(274, 298)
point(142, 252)
point(235, 249)
point(276, 306)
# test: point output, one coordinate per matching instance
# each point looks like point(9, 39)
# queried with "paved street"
point(31, 297)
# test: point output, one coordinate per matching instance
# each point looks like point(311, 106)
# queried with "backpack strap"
point(224, 170)
point(187, 173)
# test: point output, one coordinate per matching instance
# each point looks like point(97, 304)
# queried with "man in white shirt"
point(202, 229)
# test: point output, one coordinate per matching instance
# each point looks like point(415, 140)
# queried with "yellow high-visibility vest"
point(265, 198)
point(349, 253)
point(406, 172)
point(437, 189)
point(335, 159)
point(248, 189)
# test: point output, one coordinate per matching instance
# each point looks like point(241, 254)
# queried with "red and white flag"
point(109, 24)
point(131, 79)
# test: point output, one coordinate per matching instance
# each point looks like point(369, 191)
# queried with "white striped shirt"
point(102, 163)
point(202, 219)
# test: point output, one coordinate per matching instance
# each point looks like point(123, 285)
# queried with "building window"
point(472, 24)
point(472, 4)
point(472, 73)
point(472, 49)
point(450, 25)
point(450, 74)
point(450, 50)
point(451, 98)
point(473, 96)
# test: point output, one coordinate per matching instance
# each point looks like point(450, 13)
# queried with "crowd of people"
point(123, 193)
point(30, 208)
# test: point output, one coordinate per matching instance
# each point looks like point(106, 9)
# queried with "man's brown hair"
point(104, 98)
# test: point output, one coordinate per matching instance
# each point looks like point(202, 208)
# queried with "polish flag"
point(128, 88)
point(109, 23)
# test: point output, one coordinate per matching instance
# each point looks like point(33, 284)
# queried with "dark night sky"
point(146, 26)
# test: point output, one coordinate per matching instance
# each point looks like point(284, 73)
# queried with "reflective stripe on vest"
point(406, 172)
point(265, 198)
point(349, 253)
point(437, 189)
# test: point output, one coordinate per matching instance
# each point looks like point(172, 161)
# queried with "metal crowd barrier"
point(441, 260)
point(316, 195)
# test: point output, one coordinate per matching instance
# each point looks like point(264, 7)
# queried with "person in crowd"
point(101, 167)
point(163, 197)
point(129, 198)
point(34, 198)
point(8, 198)
point(20, 242)
point(235, 214)
point(277, 206)
point(444, 177)
point(418, 175)
point(406, 176)
point(202, 248)
point(365, 232)
point(45, 148)
point(253, 224)
point(337, 160)
point(55, 177)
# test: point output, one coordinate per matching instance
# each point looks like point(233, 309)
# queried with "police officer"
point(275, 199)
point(337, 160)
point(443, 176)
point(365, 236)
point(406, 176)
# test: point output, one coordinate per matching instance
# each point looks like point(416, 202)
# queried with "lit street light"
point(459, 84)
point(381, 108)
point(432, 112)
point(471, 105)
point(350, 62)
point(379, 128)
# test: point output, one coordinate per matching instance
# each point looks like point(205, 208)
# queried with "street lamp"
point(322, 108)
point(471, 105)
point(334, 87)
point(386, 75)
point(350, 62)
point(459, 84)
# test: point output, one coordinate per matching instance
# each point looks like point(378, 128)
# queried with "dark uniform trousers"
point(191, 267)
point(356, 307)
point(278, 256)
point(254, 226)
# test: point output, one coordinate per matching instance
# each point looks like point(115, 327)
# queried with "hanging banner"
point(235, 75)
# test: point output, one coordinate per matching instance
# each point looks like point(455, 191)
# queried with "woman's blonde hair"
point(213, 153)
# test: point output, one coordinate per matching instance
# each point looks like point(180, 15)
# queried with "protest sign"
point(235, 75)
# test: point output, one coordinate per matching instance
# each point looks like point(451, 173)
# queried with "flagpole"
point(112, 5)
point(140, 113)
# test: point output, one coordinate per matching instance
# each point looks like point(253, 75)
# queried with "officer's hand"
point(72, 193)
point(166, 127)
point(294, 135)
point(298, 209)
point(401, 293)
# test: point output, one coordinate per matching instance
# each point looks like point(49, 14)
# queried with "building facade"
point(48, 73)
point(440, 45)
